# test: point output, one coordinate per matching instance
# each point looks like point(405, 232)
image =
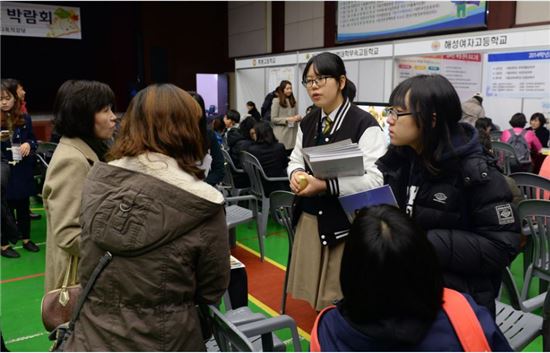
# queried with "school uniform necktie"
point(328, 125)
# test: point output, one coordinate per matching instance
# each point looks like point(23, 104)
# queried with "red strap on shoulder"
point(314, 345)
point(465, 322)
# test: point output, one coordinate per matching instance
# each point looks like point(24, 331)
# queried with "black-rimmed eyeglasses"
point(318, 81)
point(394, 114)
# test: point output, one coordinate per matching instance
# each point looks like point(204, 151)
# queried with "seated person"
point(393, 293)
point(272, 156)
point(525, 142)
point(239, 139)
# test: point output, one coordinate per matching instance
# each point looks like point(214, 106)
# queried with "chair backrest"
point(282, 202)
point(532, 186)
point(227, 335)
point(506, 156)
point(44, 152)
point(255, 172)
point(536, 215)
point(495, 136)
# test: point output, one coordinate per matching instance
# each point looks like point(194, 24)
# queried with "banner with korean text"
point(36, 20)
point(359, 20)
point(462, 70)
point(518, 75)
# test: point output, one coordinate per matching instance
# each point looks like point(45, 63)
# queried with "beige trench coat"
point(62, 194)
point(285, 134)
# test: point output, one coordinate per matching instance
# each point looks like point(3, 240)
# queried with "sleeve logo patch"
point(505, 214)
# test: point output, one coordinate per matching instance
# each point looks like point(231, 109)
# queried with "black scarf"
point(100, 147)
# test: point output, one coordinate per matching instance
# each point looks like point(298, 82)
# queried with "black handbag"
point(61, 333)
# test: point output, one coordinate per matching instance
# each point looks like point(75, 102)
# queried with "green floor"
point(20, 300)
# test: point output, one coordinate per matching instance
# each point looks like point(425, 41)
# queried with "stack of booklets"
point(382, 195)
point(339, 159)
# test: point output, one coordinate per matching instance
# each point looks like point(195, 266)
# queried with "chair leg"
point(285, 285)
point(264, 216)
point(258, 229)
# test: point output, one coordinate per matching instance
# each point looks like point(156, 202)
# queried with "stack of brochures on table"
point(382, 195)
point(343, 158)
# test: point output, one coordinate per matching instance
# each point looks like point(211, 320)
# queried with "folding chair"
point(506, 156)
point(256, 174)
point(281, 203)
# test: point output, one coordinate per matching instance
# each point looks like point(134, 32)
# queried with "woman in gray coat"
point(284, 115)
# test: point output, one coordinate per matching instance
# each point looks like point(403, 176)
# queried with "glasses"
point(318, 81)
point(394, 114)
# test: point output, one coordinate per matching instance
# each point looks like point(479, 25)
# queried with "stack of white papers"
point(343, 158)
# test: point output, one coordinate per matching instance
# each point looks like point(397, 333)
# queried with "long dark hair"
point(203, 124)
point(389, 268)
point(280, 92)
point(163, 118)
point(15, 116)
point(329, 64)
point(264, 133)
point(432, 98)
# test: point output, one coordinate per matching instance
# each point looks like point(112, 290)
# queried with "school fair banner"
point(462, 70)
point(518, 74)
point(359, 20)
point(44, 21)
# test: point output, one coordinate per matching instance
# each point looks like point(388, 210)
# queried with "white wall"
point(248, 28)
point(304, 24)
point(532, 11)
point(250, 87)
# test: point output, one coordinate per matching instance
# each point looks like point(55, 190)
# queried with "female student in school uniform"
point(322, 225)
point(284, 115)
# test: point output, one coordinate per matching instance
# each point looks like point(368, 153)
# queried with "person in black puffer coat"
point(442, 178)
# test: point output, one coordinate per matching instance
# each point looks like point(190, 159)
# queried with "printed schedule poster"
point(462, 70)
point(519, 74)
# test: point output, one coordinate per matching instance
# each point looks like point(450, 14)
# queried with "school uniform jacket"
point(350, 122)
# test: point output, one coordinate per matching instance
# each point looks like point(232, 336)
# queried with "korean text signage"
point(463, 70)
point(34, 20)
point(378, 51)
point(266, 61)
point(519, 75)
point(359, 20)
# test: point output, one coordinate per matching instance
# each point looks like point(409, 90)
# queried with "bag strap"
point(314, 345)
point(103, 262)
point(464, 322)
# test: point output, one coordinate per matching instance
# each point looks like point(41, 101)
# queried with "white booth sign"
point(356, 53)
point(266, 61)
point(47, 21)
point(492, 41)
point(519, 75)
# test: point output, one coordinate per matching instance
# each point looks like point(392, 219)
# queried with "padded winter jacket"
point(466, 209)
point(167, 233)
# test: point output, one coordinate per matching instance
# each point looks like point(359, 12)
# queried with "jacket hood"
point(134, 205)
point(463, 144)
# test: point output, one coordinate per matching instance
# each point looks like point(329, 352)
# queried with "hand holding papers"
point(338, 159)
point(378, 196)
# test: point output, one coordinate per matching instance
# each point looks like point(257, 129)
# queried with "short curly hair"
point(75, 106)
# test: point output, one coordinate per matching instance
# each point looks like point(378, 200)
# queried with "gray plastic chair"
point(260, 329)
point(506, 156)
point(256, 174)
point(281, 204)
point(228, 337)
point(536, 213)
point(495, 136)
point(235, 215)
point(228, 182)
point(532, 186)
